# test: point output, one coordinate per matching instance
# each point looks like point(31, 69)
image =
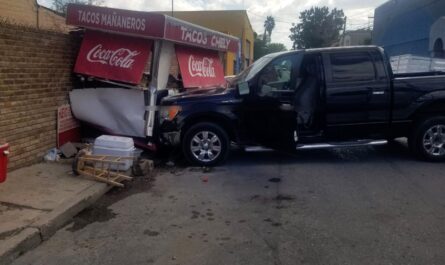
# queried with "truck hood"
point(205, 95)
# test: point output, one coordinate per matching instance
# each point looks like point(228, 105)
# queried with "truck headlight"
point(169, 112)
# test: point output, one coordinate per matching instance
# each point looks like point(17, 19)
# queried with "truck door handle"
point(286, 106)
point(380, 92)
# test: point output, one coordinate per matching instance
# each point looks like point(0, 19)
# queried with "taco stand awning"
point(149, 25)
point(106, 55)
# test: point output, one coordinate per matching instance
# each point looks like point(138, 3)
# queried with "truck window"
point(379, 65)
point(276, 77)
point(352, 66)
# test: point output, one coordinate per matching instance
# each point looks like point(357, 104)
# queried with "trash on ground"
point(170, 164)
point(68, 150)
point(52, 155)
point(142, 167)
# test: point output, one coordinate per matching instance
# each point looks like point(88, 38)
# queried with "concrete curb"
point(48, 224)
point(16, 245)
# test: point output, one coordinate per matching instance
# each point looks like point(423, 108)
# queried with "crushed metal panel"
point(121, 111)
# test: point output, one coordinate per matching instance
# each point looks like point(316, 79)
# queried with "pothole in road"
point(149, 232)
point(275, 180)
point(267, 199)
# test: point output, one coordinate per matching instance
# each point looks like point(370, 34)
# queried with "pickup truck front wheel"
point(428, 140)
point(205, 144)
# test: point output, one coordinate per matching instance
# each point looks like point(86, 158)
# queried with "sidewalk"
point(36, 201)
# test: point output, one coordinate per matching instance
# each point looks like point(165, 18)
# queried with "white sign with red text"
point(68, 128)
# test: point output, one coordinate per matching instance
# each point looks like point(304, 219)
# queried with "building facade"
point(232, 22)
point(414, 27)
point(356, 37)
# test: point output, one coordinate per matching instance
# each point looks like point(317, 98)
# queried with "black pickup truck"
point(314, 98)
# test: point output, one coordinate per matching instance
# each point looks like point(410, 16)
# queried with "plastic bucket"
point(4, 152)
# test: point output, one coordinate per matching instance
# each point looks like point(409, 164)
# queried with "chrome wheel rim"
point(434, 140)
point(205, 146)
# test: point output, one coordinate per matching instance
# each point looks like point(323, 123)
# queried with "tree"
point(261, 47)
point(269, 25)
point(318, 27)
point(275, 47)
point(61, 5)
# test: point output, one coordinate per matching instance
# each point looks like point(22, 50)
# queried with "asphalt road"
point(373, 205)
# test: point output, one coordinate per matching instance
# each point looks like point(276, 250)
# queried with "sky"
point(285, 12)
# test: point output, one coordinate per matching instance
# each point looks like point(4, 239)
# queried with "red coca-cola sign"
point(119, 58)
point(200, 68)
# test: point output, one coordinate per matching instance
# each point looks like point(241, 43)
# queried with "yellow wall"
point(232, 22)
point(28, 12)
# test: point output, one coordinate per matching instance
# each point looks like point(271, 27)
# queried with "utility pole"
point(342, 39)
point(370, 21)
point(172, 8)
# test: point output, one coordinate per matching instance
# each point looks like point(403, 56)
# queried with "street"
point(367, 205)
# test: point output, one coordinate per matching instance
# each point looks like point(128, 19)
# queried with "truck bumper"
point(171, 138)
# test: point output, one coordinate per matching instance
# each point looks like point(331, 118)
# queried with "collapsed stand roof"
point(149, 25)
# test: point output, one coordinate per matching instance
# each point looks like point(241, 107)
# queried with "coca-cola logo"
point(122, 57)
point(202, 68)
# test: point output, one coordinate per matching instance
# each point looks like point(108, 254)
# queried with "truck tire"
point(205, 144)
point(428, 139)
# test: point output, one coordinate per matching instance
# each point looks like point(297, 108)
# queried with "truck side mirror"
point(243, 88)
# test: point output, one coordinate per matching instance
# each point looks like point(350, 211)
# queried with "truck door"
point(269, 112)
point(357, 94)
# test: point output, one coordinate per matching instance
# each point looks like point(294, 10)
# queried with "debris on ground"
point(52, 155)
point(142, 167)
point(101, 167)
point(68, 150)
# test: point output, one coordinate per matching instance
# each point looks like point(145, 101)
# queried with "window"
point(349, 67)
point(235, 67)
point(275, 78)
point(247, 53)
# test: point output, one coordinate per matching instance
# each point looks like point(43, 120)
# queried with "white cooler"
point(114, 146)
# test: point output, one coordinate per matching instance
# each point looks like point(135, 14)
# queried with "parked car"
point(312, 98)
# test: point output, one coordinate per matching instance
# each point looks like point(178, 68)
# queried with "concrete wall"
point(35, 77)
point(28, 12)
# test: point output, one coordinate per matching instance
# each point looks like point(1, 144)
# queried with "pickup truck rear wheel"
point(428, 140)
point(205, 144)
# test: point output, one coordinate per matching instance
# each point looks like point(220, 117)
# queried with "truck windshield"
point(254, 68)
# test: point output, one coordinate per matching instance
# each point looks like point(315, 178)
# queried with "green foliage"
point(276, 47)
point(318, 27)
point(262, 47)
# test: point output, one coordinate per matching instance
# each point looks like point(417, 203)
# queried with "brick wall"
point(30, 13)
point(35, 77)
